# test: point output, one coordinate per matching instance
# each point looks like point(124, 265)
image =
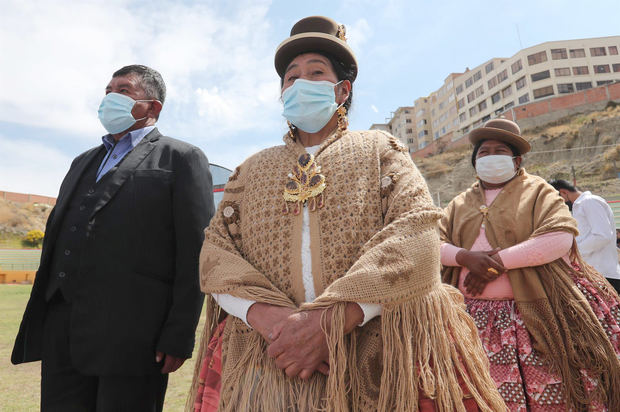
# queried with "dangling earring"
point(343, 122)
point(291, 130)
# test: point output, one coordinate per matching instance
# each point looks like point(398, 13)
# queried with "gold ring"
point(493, 270)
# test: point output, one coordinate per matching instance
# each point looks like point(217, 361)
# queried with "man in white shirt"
point(597, 230)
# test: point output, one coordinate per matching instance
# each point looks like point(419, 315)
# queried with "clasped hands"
point(484, 266)
point(296, 341)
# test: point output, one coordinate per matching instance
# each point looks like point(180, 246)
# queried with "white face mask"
point(495, 168)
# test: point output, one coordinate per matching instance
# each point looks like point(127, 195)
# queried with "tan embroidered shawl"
point(373, 241)
point(555, 312)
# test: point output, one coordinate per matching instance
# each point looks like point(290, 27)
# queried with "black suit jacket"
point(138, 288)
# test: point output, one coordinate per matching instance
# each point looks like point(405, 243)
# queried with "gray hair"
point(150, 80)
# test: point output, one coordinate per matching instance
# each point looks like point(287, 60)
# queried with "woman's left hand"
point(299, 345)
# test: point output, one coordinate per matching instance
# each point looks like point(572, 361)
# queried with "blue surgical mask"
point(115, 112)
point(310, 104)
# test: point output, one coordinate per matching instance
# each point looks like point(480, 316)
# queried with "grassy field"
point(19, 385)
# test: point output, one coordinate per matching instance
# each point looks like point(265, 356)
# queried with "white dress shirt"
point(597, 234)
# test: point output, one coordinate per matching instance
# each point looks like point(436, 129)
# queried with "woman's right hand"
point(483, 268)
point(263, 317)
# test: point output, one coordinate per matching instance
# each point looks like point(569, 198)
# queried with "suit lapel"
point(126, 168)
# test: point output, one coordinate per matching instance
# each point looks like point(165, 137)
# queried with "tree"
point(33, 238)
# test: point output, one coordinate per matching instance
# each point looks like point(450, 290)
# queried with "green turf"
point(19, 385)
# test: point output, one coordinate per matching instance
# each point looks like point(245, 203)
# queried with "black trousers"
point(65, 389)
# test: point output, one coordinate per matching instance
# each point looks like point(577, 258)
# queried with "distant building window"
point(541, 75)
point(421, 122)
point(469, 82)
point(604, 82)
point(616, 67)
point(509, 105)
point(559, 54)
point(488, 68)
point(613, 50)
point(583, 85)
point(479, 91)
point(409, 131)
point(543, 92)
point(507, 91)
point(462, 117)
point(537, 58)
point(451, 98)
point(459, 89)
point(520, 83)
point(579, 70)
point(461, 103)
point(482, 105)
point(516, 66)
point(470, 97)
point(436, 135)
point(406, 111)
point(423, 133)
point(492, 83)
point(473, 111)
point(495, 98)
point(477, 76)
point(465, 129)
point(577, 53)
point(410, 140)
point(562, 71)
point(524, 99)
point(503, 75)
point(601, 68)
point(597, 51)
point(441, 105)
point(420, 113)
point(485, 118)
point(566, 88)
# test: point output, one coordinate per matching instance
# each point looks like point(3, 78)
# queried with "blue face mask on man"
point(309, 105)
point(115, 112)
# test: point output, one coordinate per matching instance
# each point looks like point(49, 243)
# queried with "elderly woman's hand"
point(263, 318)
point(483, 267)
point(300, 345)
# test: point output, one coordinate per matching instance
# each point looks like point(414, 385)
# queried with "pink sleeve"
point(448, 254)
point(537, 251)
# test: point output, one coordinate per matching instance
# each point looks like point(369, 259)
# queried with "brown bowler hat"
point(503, 130)
point(315, 33)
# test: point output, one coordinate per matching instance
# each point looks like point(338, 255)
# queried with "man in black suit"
point(116, 299)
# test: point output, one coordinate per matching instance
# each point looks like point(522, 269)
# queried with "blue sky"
point(217, 60)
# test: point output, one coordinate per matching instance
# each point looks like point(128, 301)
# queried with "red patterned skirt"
point(522, 378)
point(209, 384)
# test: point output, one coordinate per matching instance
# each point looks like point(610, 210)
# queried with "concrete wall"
point(545, 111)
point(27, 198)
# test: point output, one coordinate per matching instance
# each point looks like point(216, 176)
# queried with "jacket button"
point(62, 274)
point(73, 228)
point(91, 190)
point(67, 252)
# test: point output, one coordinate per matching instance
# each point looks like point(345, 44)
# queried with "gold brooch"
point(484, 210)
point(306, 184)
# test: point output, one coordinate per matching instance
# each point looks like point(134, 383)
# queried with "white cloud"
point(58, 56)
point(358, 34)
point(28, 166)
point(374, 108)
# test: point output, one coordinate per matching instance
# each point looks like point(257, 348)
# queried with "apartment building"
point(538, 72)
point(402, 126)
point(466, 100)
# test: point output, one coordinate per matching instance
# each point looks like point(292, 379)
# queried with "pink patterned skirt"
point(522, 378)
